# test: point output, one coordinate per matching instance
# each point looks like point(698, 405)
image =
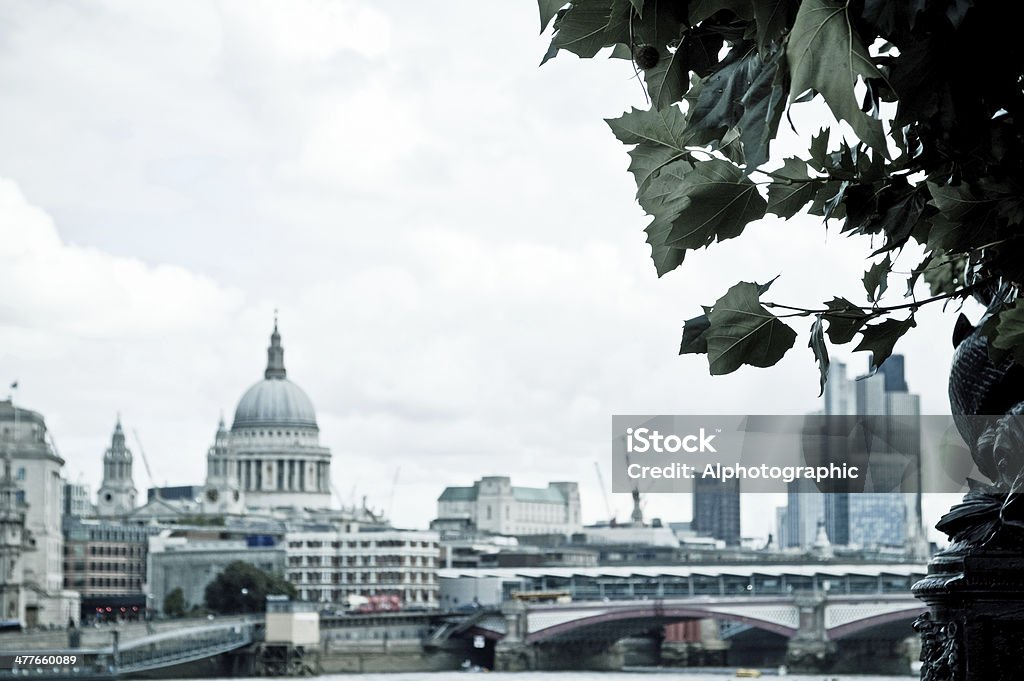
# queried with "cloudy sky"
point(449, 234)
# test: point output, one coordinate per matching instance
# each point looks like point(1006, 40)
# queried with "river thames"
point(681, 674)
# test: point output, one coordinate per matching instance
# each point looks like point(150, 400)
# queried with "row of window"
point(365, 544)
point(378, 561)
point(79, 582)
point(362, 577)
point(131, 551)
point(339, 595)
point(104, 566)
point(264, 433)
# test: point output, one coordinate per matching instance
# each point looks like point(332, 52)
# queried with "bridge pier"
point(515, 654)
point(695, 643)
point(512, 653)
point(810, 650)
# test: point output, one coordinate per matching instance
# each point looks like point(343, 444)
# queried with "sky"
point(448, 232)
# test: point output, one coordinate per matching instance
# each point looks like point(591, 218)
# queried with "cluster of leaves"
point(944, 170)
point(243, 587)
point(174, 603)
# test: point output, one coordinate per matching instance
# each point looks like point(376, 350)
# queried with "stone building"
point(271, 457)
point(13, 543)
point(494, 505)
point(328, 567)
point(36, 470)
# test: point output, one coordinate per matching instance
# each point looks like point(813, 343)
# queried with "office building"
point(716, 509)
point(492, 504)
point(888, 450)
point(331, 566)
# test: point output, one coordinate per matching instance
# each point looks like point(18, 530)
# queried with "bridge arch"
point(646, 617)
point(839, 631)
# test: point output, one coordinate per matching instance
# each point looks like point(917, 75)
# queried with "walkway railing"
point(179, 647)
point(140, 655)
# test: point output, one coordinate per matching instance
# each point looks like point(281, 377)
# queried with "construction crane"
point(145, 461)
point(604, 494)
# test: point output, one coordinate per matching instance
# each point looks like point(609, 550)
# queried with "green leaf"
point(792, 169)
point(660, 136)
point(916, 273)
point(692, 206)
point(693, 336)
point(548, 10)
point(828, 201)
point(827, 56)
point(659, 25)
point(763, 103)
point(773, 18)
point(877, 279)
point(763, 288)
point(898, 216)
point(669, 79)
point(786, 200)
point(744, 332)
point(1009, 329)
point(590, 25)
point(819, 149)
point(945, 274)
point(621, 51)
point(792, 188)
point(663, 199)
point(844, 320)
point(881, 338)
point(745, 92)
point(958, 203)
point(722, 201)
point(820, 350)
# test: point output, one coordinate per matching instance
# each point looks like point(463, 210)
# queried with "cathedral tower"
point(117, 493)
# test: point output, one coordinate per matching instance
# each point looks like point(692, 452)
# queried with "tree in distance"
point(174, 604)
point(243, 587)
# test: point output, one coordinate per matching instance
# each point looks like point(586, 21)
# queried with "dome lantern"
point(275, 356)
point(275, 401)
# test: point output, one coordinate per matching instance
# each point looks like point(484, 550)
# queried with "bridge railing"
point(170, 648)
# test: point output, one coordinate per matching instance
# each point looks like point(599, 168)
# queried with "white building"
point(330, 566)
point(13, 542)
point(36, 468)
point(271, 457)
point(493, 504)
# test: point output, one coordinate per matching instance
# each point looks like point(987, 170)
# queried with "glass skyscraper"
point(890, 448)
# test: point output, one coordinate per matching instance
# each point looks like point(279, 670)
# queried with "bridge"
point(812, 607)
point(159, 651)
point(841, 616)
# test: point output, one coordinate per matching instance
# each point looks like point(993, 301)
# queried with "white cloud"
point(61, 287)
point(309, 30)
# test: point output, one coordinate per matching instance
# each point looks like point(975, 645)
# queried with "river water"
point(681, 675)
